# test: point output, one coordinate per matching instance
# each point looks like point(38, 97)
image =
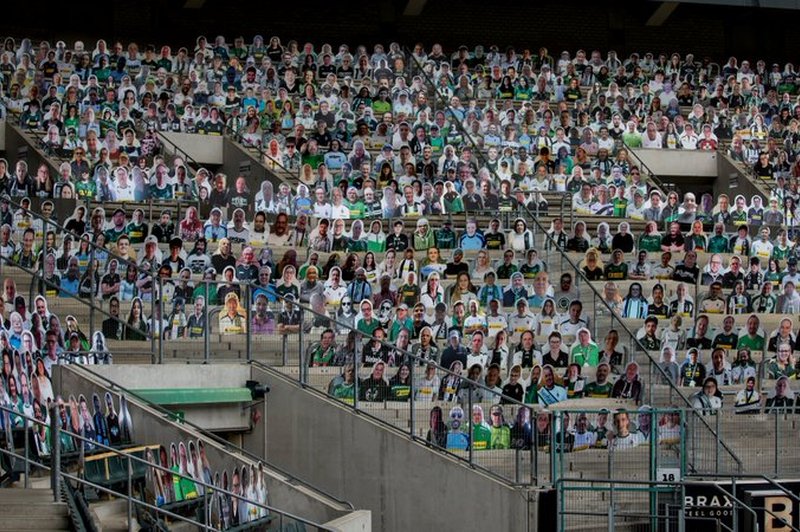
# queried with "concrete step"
point(34, 522)
point(32, 509)
point(15, 495)
point(112, 515)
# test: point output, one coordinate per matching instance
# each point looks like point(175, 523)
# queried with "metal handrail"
point(37, 275)
point(56, 430)
point(650, 174)
point(410, 434)
point(78, 510)
point(234, 137)
point(682, 483)
point(415, 361)
point(34, 138)
point(564, 199)
point(769, 480)
point(580, 274)
point(749, 172)
point(46, 222)
point(229, 447)
point(773, 483)
point(37, 138)
point(190, 161)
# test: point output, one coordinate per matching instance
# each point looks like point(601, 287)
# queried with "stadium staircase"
point(32, 509)
point(717, 447)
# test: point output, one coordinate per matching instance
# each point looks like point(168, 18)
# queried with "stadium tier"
point(438, 234)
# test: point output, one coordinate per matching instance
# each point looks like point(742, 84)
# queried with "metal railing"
point(652, 177)
point(169, 416)
point(465, 394)
point(157, 340)
point(776, 431)
point(541, 462)
point(580, 275)
point(604, 504)
point(59, 475)
point(36, 141)
point(263, 156)
point(38, 275)
point(749, 172)
point(666, 494)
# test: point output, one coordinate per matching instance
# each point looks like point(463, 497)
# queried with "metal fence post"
point(93, 288)
point(284, 350)
point(248, 332)
point(153, 283)
point(775, 443)
point(301, 335)
point(534, 463)
point(716, 442)
point(161, 321)
point(27, 461)
point(610, 490)
point(206, 514)
point(735, 504)
point(411, 416)
point(553, 476)
point(356, 367)
point(43, 253)
point(130, 495)
point(468, 416)
point(55, 435)
point(692, 430)
point(207, 324)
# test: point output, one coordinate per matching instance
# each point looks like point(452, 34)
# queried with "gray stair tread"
point(7, 494)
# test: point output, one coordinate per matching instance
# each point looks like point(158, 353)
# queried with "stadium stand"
point(471, 233)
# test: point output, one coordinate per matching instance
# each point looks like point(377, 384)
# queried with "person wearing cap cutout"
point(165, 228)
point(454, 351)
point(423, 237)
point(401, 321)
point(445, 236)
point(174, 260)
point(397, 241)
point(118, 226)
point(214, 228)
point(792, 274)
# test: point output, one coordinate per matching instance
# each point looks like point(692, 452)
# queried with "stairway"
point(32, 509)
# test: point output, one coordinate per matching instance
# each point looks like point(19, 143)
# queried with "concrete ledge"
point(358, 521)
point(205, 149)
point(679, 162)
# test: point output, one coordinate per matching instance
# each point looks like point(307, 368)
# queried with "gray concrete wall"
point(17, 146)
point(239, 161)
point(213, 417)
point(732, 182)
point(679, 162)
point(406, 485)
point(205, 149)
point(174, 376)
point(359, 521)
point(150, 427)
